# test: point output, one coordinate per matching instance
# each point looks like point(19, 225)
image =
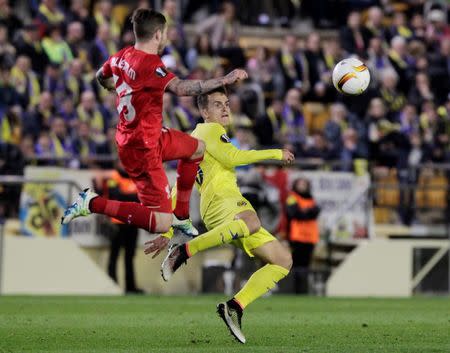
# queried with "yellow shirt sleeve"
point(219, 146)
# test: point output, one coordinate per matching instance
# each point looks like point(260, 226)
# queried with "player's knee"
point(163, 223)
point(253, 223)
point(200, 151)
point(284, 258)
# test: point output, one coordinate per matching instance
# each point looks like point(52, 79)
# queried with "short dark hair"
point(146, 23)
point(202, 100)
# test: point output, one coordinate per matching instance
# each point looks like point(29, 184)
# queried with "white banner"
point(343, 199)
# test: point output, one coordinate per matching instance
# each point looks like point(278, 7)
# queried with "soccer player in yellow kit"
point(228, 216)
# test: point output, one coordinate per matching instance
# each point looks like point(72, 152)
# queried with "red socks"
point(128, 212)
point(186, 173)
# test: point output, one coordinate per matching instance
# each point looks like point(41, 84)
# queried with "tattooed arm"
point(105, 82)
point(196, 87)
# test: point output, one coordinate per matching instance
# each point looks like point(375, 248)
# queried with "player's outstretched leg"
point(222, 234)
point(278, 263)
point(131, 213)
point(80, 207)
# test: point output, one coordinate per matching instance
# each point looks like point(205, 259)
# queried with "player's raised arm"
point(197, 87)
point(219, 146)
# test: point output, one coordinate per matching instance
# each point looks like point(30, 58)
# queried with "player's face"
point(218, 110)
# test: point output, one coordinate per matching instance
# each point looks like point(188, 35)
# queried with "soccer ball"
point(351, 76)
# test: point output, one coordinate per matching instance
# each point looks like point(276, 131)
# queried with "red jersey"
point(140, 81)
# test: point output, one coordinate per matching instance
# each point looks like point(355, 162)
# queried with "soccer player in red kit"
point(139, 77)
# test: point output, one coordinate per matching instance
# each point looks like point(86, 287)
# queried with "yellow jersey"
point(216, 177)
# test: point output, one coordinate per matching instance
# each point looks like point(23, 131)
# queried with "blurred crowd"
point(53, 112)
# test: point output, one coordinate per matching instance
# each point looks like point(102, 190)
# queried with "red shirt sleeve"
point(106, 68)
point(164, 76)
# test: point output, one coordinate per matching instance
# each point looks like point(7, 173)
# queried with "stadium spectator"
point(8, 94)
point(8, 18)
point(78, 12)
point(108, 109)
point(354, 37)
point(170, 12)
point(261, 68)
point(421, 91)
point(25, 82)
point(84, 146)
point(28, 43)
point(437, 28)
point(271, 127)
point(38, 119)
point(400, 61)
point(108, 149)
point(409, 120)
point(302, 212)
point(244, 139)
point(27, 150)
point(224, 30)
point(418, 26)
point(75, 40)
point(102, 47)
point(61, 143)
point(202, 54)
point(294, 134)
point(56, 48)
point(335, 125)
point(175, 48)
point(394, 100)
point(439, 71)
point(352, 151)
point(44, 149)
point(68, 113)
point(316, 69)
point(103, 16)
point(222, 27)
point(75, 81)
point(238, 116)
point(291, 65)
point(374, 26)
point(377, 60)
point(187, 113)
point(318, 148)
point(399, 27)
point(53, 81)
point(88, 110)
point(11, 126)
point(7, 51)
point(49, 15)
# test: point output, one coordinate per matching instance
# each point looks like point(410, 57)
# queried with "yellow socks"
point(260, 283)
point(223, 234)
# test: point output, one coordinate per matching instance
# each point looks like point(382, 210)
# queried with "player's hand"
point(156, 245)
point(288, 156)
point(235, 76)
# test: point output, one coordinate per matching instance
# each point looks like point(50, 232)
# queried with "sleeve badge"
point(225, 138)
point(161, 71)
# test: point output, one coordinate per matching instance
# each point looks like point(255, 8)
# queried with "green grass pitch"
point(190, 324)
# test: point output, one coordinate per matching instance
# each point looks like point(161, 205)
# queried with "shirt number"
point(124, 91)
